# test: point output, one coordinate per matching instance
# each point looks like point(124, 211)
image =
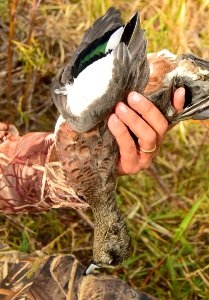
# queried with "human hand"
point(148, 125)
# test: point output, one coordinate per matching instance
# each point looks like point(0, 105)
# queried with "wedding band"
point(148, 151)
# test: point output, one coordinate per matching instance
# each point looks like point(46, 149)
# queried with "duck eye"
point(115, 258)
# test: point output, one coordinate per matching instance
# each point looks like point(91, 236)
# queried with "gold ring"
point(148, 151)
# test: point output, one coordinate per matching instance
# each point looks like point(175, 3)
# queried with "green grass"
point(166, 207)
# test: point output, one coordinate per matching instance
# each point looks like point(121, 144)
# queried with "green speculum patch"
point(95, 52)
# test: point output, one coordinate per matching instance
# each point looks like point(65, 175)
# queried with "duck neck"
point(105, 206)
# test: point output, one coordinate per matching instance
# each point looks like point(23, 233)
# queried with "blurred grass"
point(167, 207)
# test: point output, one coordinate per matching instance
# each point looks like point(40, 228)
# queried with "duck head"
point(112, 243)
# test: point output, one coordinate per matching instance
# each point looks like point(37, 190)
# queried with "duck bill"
point(91, 268)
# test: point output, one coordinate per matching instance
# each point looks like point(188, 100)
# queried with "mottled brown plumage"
point(89, 164)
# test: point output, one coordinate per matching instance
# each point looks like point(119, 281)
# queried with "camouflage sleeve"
point(38, 276)
point(22, 166)
point(31, 177)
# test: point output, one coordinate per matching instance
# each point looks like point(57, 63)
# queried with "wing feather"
point(110, 21)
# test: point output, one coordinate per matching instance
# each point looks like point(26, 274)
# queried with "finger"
point(147, 137)
point(149, 113)
point(127, 148)
point(179, 99)
point(178, 102)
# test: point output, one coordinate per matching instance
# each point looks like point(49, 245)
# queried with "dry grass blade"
point(9, 53)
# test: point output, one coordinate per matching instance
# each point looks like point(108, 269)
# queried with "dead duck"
point(109, 63)
point(85, 94)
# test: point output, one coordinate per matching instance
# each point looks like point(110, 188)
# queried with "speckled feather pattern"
point(89, 164)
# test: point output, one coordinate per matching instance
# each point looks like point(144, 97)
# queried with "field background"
point(167, 206)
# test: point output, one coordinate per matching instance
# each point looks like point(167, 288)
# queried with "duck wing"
point(105, 24)
point(103, 104)
point(101, 84)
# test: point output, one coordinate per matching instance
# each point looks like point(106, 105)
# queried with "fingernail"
point(136, 97)
point(181, 91)
point(123, 107)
